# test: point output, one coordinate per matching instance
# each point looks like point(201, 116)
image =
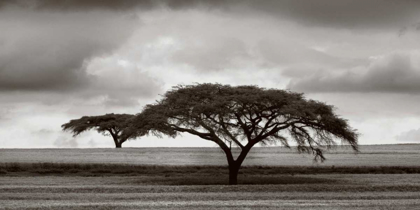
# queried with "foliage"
point(244, 116)
point(116, 125)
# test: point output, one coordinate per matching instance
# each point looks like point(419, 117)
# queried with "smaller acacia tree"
point(245, 116)
point(115, 125)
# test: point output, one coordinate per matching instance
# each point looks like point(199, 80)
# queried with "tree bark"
point(233, 174)
point(118, 145)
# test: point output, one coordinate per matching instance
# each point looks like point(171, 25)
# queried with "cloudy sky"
point(61, 60)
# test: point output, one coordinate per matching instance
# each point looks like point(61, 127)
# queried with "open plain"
point(379, 177)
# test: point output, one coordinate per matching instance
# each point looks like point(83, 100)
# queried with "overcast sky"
point(61, 60)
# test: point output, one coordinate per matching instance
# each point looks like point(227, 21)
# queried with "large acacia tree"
point(118, 126)
point(244, 116)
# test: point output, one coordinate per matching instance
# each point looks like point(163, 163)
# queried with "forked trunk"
point(234, 165)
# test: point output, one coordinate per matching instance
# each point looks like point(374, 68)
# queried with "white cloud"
point(120, 82)
point(62, 142)
point(411, 136)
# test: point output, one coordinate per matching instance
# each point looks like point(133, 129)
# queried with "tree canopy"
point(244, 116)
point(116, 125)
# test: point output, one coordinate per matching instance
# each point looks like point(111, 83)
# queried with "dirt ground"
point(344, 191)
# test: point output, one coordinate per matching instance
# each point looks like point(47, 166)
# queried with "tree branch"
point(243, 126)
point(271, 132)
point(267, 124)
point(206, 136)
point(226, 130)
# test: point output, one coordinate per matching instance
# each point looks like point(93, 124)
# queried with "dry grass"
point(380, 178)
point(190, 173)
point(346, 191)
point(384, 155)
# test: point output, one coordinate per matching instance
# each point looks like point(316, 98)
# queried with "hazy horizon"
point(203, 147)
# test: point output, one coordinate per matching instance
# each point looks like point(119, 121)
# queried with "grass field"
point(381, 155)
point(121, 192)
point(46, 179)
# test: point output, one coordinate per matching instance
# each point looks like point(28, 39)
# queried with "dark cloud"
point(43, 68)
point(72, 5)
point(409, 136)
point(120, 5)
point(349, 14)
point(395, 73)
point(48, 51)
point(52, 52)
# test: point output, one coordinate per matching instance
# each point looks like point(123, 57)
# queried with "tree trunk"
point(235, 165)
point(115, 137)
point(233, 174)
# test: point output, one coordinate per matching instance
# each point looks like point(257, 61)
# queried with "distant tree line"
point(242, 116)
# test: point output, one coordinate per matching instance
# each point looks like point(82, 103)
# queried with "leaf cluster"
point(246, 115)
point(108, 124)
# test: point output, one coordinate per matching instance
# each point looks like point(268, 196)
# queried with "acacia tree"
point(245, 116)
point(115, 125)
